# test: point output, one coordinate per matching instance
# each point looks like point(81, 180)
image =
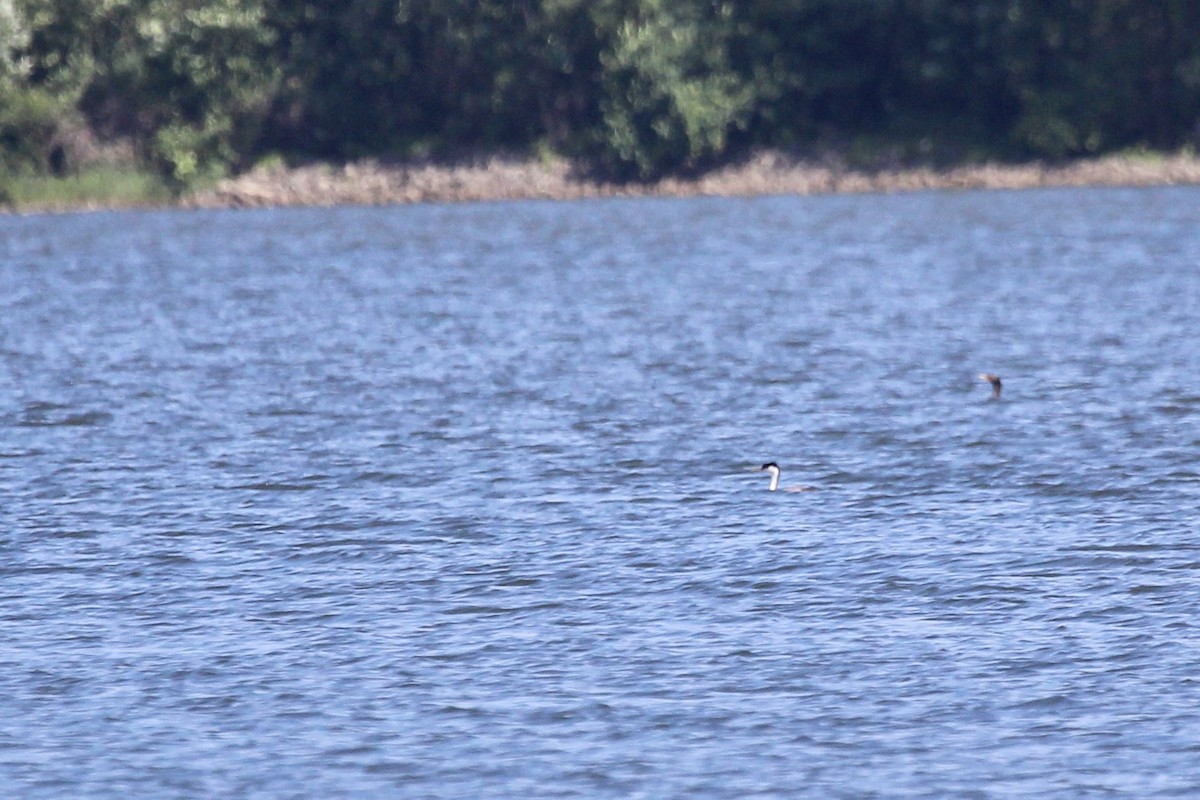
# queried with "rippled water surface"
point(458, 501)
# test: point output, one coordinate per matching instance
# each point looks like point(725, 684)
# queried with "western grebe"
point(994, 380)
point(773, 468)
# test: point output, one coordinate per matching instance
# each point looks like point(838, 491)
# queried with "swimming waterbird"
point(773, 468)
point(994, 380)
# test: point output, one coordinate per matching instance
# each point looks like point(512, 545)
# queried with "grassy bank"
point(95, 188)
point(767, 173)
point(371, 182)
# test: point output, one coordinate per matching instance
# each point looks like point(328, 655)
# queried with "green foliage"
point(669, 97)
point(641, 88)
point(187, 154)
point(29, 123)
point(26, 119)
point(188, 80)
point(381, 76)
point(13, 38)
point(816, 65)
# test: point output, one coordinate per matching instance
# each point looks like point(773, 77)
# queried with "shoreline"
point(372, 182)
point(498, 178)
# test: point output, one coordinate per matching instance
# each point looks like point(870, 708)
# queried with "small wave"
point(20, 453)
point(42, 406)
point(274, 486)
point(278, 411)
point(87, 418)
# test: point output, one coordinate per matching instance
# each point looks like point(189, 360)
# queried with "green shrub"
point(29, 122)
point(669, 99)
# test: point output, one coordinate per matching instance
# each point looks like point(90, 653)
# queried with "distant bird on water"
point(773, 468)
point(994, 380)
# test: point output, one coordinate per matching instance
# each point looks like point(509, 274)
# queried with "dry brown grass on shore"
point(375, 183)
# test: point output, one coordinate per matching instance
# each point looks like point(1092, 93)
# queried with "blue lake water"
point(460, 501)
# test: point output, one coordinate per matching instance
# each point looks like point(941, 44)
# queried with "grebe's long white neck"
point(772, 468)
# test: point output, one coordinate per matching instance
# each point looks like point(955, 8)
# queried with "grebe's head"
point(772, 468)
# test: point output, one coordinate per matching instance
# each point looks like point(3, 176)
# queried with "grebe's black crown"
point(768, 465)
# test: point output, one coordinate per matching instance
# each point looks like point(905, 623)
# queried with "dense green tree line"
point(635, 88)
